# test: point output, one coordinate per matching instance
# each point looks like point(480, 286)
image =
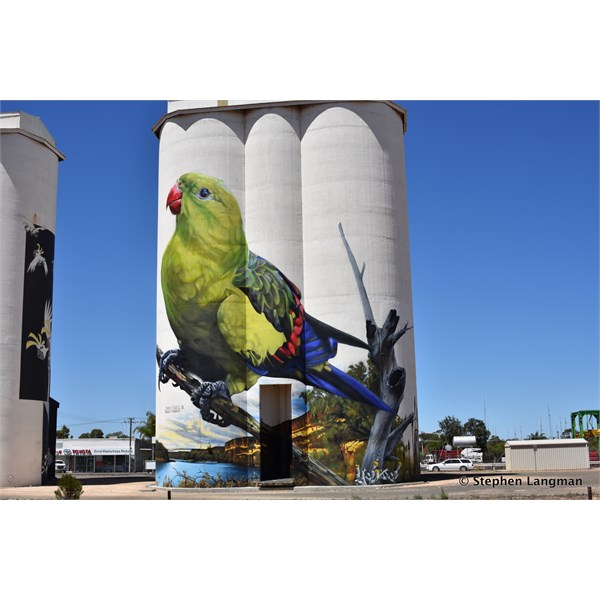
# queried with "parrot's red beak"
point(174, 199)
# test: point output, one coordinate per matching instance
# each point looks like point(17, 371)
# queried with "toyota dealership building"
point(103, 455)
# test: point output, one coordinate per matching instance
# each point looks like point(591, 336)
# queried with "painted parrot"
point(235, 315)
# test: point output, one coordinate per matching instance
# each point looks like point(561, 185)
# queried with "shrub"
point(69, 488)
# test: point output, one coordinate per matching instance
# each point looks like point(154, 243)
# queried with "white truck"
point(474, 454)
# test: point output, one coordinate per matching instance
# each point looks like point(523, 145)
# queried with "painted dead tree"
point(384, 437)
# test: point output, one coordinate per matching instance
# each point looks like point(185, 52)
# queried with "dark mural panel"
point(37, 314)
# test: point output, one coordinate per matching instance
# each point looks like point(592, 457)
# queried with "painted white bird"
point(32, 229)
point(37, 340)
point(38, 259)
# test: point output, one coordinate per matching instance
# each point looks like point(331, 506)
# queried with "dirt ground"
point(476, 485)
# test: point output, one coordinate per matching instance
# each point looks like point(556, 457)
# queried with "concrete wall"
point(28, 183)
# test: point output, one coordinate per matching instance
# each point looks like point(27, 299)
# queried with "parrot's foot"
point(203, 398)
point(170, 357)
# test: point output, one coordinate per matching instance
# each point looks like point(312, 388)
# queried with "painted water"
point(173, 473)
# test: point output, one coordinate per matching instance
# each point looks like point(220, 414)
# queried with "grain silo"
point(298, 170)
point(28, 184)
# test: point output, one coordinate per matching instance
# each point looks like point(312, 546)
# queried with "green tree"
point(495, 449)
point(536, 436)
point(566, 434)
point(340, 420)
point(94, 433)
point(63, 433)
point(450, 427)
point(162, 454)
point(432, 442)
point(147, 428)
point(477, 428)
point(345, 420)
point(116, 434)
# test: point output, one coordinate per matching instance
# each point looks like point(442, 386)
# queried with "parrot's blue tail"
point(341, 384)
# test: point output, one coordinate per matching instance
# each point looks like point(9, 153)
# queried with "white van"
point(60, 466)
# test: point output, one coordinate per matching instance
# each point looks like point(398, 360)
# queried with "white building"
point(547, 455)
point(28, 182)
point(103, 455)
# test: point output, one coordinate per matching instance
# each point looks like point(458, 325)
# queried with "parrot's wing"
point(273, 296)
point(308, 343)
point(271, 293)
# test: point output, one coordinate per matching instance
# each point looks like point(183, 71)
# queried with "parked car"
point(60, 466)
point(452, 464)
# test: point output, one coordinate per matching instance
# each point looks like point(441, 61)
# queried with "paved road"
point(475, 485)
point(515, 485)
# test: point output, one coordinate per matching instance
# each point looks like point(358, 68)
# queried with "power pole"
point(130, 434)
point(484, 413)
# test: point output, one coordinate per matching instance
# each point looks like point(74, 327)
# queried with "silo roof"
point(30, 126)
point(204, 109)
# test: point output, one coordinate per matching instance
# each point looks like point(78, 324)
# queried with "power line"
point(125, 420)
point(92, 422)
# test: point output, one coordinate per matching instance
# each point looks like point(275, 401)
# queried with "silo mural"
point(27, 223)
point(278, 357)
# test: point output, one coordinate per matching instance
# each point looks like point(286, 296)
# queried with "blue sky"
point(503, 209)
point(105, 260)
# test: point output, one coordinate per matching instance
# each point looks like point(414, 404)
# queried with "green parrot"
point(235, 315)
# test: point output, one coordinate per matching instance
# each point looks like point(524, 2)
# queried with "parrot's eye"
point(203, 193)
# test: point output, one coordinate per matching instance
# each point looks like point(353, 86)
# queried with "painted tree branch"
point(392, 381)
point(233, 414)
point(396, 435)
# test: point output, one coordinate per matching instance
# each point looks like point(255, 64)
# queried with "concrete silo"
point(298, 169)
point(28, 183)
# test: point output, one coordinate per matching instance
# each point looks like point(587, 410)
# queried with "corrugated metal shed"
point(547, 455)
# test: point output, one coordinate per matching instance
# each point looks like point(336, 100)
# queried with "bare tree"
point(384, 437)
